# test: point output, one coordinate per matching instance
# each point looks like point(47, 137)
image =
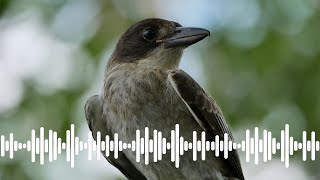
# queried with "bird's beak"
point(185, 36)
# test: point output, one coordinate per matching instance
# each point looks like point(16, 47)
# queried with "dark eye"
point(177, 24)
point(149, 33)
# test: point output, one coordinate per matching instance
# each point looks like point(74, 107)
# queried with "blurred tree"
point(3, 6)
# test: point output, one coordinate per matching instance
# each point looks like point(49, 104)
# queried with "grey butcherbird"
point(144, 87)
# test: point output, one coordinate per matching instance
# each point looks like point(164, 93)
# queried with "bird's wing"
point(94, 116)
point(206, 112)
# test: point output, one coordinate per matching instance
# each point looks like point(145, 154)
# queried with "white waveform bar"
point(158, 146)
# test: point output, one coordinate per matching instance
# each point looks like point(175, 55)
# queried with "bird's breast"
point(133, 101)
point(136, 99)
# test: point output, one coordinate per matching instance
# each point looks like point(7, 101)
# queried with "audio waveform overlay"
point(267, 146)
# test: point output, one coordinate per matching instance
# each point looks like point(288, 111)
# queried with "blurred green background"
point(261, 64)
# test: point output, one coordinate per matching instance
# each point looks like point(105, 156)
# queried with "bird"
point(144, 87)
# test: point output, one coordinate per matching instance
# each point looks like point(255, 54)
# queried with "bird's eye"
point(177, 24)
point(149, 33)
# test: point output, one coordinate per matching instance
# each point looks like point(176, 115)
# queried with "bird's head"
point(155, 43)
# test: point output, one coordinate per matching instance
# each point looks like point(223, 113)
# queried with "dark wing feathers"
point(93, 112)
point(207, 112)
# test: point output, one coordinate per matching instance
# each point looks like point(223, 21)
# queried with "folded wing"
point(206, 112)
